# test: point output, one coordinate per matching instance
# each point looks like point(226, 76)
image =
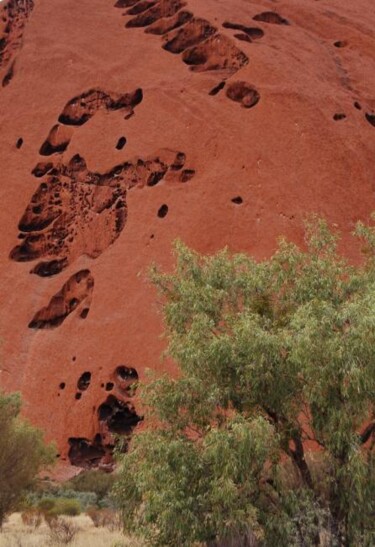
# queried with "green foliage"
point(85, 499)
point(48, 500)
point(93, 480)
point(276, 358)
point(46, 504)
point(48, 490)
point(201, 486)
point(70, 507)
point(23, 453)
point(53, 507)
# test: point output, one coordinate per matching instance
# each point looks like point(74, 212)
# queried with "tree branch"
point(366, 434)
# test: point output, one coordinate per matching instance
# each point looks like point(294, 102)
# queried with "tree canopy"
point(23, 453)
point(268, 432)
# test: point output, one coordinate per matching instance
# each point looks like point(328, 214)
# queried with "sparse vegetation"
point(52, 508)
point(108, 518)
point(23, 453)
point(98, 482)
point(17, 534)
point(269, 429)
point(32, 517)
point(62, 531)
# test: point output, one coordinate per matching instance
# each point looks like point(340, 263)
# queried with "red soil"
point(123, 128)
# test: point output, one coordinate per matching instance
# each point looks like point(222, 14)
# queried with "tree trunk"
point(298, 457)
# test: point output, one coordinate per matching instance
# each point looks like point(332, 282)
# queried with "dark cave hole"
point(195, 58)
point(125, 3)
point(52, 267)
point(47, 149)
point(8, 76)
point(163, 211)
point(251, 32)
point(340, 43)
point(186, 175)
point(243, 37)
point(84, 453)
point(243, 93)
point(84, 313)
point(126, 379)
point(119, 416)
point(126, 374)
point(84, 381)
point(215, 90)
point(179, 161)
point(41, 169)
point(339, 116)
point(156, 177)
point(140, 7)
point(121, 143)
point(237, 200)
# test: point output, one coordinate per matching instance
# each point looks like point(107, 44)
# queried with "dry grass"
point(16, 534)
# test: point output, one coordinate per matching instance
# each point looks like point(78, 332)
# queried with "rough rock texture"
point(124, 126)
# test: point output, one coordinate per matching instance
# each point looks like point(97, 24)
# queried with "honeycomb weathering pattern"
point(13, 18)
point(75, 211)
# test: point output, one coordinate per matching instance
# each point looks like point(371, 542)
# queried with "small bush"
point(92, 481)
point(32, 517)
point(62, 531)
point(46, 504)
point(85, 499)
point(70, 507)
point(105, 518)
point(52, 508)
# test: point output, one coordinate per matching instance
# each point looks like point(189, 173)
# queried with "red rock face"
point(126, 126)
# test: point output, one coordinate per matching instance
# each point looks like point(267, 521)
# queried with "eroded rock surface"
point(127, 125)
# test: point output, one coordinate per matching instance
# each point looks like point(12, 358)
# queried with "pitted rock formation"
point(271, 17)
point(202, 47)
point(252, 33)
point(85, 453)
point(80, 109)
point(13, 18)
point(273, 121)
point(126, 379)
point(243, 93)
point(75, 211)
point(116, 417)
point(76, 294)
point(84, 381)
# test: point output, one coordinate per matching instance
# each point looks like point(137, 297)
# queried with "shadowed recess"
point(77, 289)
point(244, 93)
